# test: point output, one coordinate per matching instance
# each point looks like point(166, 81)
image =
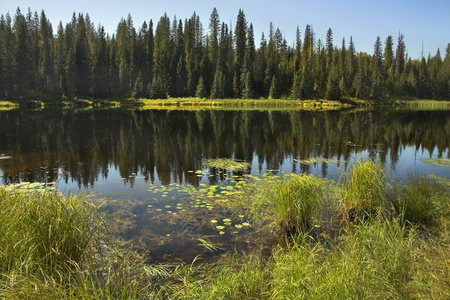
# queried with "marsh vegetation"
point(395, 246)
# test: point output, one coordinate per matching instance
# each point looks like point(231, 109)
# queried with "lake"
point(146, 166)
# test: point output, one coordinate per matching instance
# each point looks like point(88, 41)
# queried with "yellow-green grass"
point(364, 192)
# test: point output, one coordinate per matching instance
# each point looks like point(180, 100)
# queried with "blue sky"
point(420, 21)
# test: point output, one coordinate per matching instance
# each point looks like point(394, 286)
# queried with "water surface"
point(144, 162)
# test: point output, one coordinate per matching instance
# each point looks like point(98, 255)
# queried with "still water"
point(143, 165)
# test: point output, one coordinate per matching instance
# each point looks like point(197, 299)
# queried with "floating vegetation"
point(438, 162)
point(228, 164)
point(314, 160)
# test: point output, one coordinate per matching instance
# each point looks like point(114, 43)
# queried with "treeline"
point(182, 59)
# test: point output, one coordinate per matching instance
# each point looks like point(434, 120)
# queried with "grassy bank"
point(200, 104)
point(363, 237)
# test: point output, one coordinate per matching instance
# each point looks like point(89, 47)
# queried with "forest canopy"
point(180, 58)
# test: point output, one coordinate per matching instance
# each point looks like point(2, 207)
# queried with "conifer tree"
point(240, 34)
point(201, 89)
point(214, 31)
point(247, 91)
point(100, 69)
point(22, 54)
point(82, 59)
point(295, 91)
point(333, 90)
point(46, 63)
point(218, 87)
point(274, 92)
point(377, 73)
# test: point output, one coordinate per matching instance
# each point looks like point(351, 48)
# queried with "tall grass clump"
point(418, 201)
point(374, 261)
point(296, 199)
point(364, 192)
point(43, 235)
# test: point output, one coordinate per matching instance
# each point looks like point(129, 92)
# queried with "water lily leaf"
point(220, 227)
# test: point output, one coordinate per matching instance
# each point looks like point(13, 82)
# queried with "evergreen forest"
point(176, 58)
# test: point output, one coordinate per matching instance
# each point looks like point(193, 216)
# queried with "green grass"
point(364, 192)
point(42, 231)
point(296, 199)
point(418, 200)
point(53, 247)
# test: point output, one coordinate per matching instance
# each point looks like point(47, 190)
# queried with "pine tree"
point(46, 63)
point(70, 65)
point(247, 91)
point(400, 56)
point(138, 89)
point(157, 90)
point(22, 55)
point(201, 89)
point(218, 87)
point(388, 53)
point(377, 74)
point(82, 59)
point(329, 49)
point(100, 69)
point(240, 40)
point(214, 31)
point(295, 91)
point(352, 68)
point(7, 53)
point(333, 90)
point(274, 92)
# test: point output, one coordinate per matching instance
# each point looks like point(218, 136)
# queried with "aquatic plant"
point(363, 191)
point(438, 162)
point(229, 164)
